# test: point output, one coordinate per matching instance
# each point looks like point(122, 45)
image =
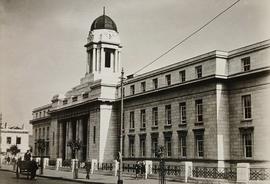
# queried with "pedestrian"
point(8, 160)
point(33, 168)
point(137, 169)
point(27, 155)
point(143, 170)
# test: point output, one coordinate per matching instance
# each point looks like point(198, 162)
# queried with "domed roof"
point(103, 22)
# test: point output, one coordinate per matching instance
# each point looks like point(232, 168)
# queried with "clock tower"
point(103, 51)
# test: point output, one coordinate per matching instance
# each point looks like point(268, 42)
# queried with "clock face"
point(109, 35)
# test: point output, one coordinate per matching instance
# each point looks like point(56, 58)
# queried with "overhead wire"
point(186, 38)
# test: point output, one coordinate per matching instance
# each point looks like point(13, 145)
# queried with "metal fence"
point(105, 166)
point(170, 170)
point(226, 173)
point(129, 168)
point(259, 174)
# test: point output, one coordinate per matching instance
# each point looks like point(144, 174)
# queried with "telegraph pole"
point(120, 180)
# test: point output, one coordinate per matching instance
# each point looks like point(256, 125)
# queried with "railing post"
point(45, 162)
point(188, 170)
point(242, 172)
point(58, 163)
point(148, 168)
point(94, 165)
point(115, 167)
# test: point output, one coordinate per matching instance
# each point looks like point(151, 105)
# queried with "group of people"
point(140, 169)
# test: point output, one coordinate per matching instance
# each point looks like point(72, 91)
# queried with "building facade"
point(212, 108)
point(14, 136)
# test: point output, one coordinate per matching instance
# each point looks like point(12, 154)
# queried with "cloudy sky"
point(42, 41)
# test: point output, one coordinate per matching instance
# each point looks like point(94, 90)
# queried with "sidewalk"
point(94, 178)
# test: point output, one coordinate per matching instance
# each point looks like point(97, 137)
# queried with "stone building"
point(212, 108)
point(14, 136)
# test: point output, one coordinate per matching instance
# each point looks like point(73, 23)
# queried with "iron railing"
point(227, 173)
point(259, 174)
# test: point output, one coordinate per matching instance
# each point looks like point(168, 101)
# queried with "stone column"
point(98, 60)
point(137, 145)
point(175, 144)
point(80, 137)
point(148, 145)
point(119, 61)
point(61, 142)
point(102, 59)
point(161, 139)
point(67, 139)
point(93, 60)
point(115, 69)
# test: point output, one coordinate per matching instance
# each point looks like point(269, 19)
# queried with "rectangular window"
point(199, 145)
point(143, 86)
point(131, 146)
point(48, 132)
point(182, 112)
point(154, 144)
point(155, 116)
point(199, 110)
point(85, 95)
point(247, 144)
point(168, 114)
point(36, 136)
point(124, 89)
point(94, 134)
point(143, 118)
point(155, 83)
point(182, 75)
point(168, 80)
point(182, 146)
point(168, 146)
point(245, 64)
point(65, 102)
point(132, 90)
point(53, 137)
point(246, 106)
point(108, 53)
point(142, 146)
point(43, 133)
point(39, 133)
point(8, 140)
point(198, 71)
point(74, 99)
point(18, 140)
point(131, 120)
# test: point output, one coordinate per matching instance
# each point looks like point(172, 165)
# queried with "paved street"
point(7, 176)
point(10, 178)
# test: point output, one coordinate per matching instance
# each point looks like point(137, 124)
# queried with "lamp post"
point(120, 180)
point(41, 148)
point(75, 145)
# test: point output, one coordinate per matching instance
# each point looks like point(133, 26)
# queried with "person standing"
point(27, 156)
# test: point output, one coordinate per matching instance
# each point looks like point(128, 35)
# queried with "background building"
point(14, 136)
point(210, 109)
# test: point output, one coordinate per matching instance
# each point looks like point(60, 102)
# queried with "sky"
point(42, 41)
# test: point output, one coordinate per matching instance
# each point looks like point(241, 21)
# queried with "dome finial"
point(103, 10)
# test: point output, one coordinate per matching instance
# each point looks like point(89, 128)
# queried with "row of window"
point(41, 114)
point(9, 140)
point(75, 98)
point(182, 76)
point(42, 135)
point(247, 145)
point(168, 115)
point(246, 109)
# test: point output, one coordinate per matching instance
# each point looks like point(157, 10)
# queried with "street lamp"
point(120, 180)
point(41, 147)
point(75, 145)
